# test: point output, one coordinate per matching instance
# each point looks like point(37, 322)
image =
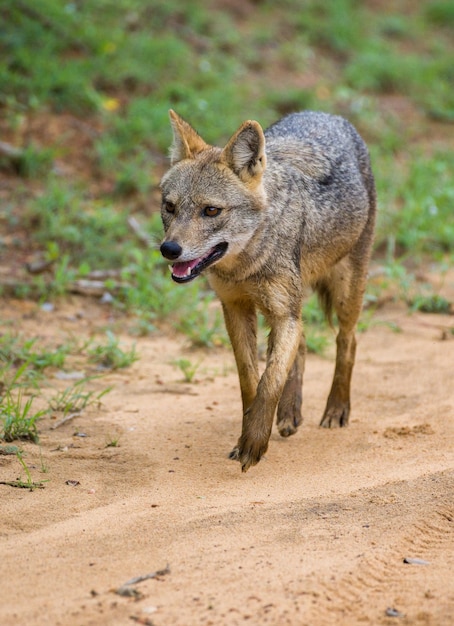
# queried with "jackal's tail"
point(325, 300)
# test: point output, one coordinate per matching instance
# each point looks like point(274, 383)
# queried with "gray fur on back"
point(318, 169)
point(329, 135)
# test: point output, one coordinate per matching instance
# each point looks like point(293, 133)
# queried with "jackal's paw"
point(288, 424)
point(248, 453)
point(235, 454)
point(336, 416)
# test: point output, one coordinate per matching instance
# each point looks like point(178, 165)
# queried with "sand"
point(316, 534)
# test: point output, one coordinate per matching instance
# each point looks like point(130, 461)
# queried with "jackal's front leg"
point(258, 419)
point(241, 323)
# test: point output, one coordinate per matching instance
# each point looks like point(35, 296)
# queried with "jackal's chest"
point(275, 296)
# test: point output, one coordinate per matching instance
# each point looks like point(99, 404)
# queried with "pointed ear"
point(186, 141)
point(245, 152)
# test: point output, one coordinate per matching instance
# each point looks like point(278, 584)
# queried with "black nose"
point(171, 250)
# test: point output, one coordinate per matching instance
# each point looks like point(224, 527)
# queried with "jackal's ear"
point(245, 152)
point(186, 141)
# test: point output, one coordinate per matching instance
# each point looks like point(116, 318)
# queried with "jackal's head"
point(212, 198)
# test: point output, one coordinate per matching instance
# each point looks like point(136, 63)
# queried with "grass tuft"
point(110, 355)
point(18, 420)
point(75, 398)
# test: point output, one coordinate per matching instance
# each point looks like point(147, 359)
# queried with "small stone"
point(391, 612)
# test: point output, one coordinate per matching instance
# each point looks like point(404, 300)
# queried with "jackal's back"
point(319, 186)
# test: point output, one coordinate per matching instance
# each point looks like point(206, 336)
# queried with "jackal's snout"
point(171, 250)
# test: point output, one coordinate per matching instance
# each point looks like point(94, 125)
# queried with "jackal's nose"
point(171, 250)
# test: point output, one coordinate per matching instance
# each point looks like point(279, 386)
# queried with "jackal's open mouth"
point(185, 271)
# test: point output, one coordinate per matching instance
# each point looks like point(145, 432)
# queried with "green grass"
point(19, 351)
point(28, 483)
point(116, 68)
point(113, 442)
point(441, 13)
point(110, 355)
point(22, 391)
point(76, 398)
point(431, 304)
point(68, 224)
point(18, 418)
point(149, 290)
point(188, 368)
point(203, 325)
point(415, 217)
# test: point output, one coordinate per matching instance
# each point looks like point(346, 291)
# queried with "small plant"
point(111, 356)
point(20, 352)
point(315, 325)
point(74, 399)
point(188, 368)
point(34, 162)
point(44, 468)
point(431, 304)
point(28, 483)
point(12, 378)
point(63, 276)
point(113, 442)
point(397, 276)
point(17, 419)
point(203, 325)
point(149, 291)
point(312, 312)
point(316, 342)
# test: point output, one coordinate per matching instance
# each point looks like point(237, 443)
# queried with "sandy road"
point(315, 534)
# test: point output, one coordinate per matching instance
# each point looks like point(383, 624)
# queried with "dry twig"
point(65, 419)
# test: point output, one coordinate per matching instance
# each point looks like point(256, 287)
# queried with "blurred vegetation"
point(108, 72)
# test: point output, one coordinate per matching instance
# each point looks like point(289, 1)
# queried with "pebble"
point(412, 561)
point(390, 612)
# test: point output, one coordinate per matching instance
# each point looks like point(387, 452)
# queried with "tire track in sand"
point(382, 586)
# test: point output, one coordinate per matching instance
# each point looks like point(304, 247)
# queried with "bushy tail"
point(325, 300)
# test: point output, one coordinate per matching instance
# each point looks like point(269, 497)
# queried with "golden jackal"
point(267, 216)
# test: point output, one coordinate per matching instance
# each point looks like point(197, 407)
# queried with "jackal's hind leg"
point(338, 405)
point(346, 289)
point(289, 408)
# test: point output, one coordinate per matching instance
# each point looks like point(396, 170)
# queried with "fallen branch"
point(83, 287)
point(22, 485)
point(65, 419)
point(141, 234)
point(10, 152)
point(89, 287)
point(139, 579)
point(39, 267)
point(11, 157)
point(106, 274)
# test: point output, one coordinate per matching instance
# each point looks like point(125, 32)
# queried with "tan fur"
point(187, 143)
point(268, 216)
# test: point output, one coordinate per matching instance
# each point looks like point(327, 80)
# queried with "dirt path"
point(315, 534)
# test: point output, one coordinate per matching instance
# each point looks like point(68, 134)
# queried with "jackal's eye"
point(211, 211)
point(168, 206)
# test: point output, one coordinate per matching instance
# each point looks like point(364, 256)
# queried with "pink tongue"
point(180, 269)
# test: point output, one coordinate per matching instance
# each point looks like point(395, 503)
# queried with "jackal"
point(271, 214)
